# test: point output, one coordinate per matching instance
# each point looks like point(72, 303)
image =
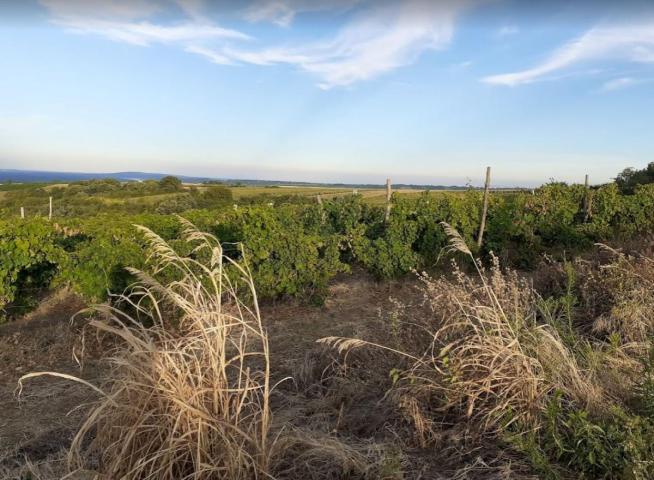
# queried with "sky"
point(427, 92)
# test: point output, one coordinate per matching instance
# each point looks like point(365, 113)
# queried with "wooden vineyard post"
point(586, 200)
point(22, 212)
point(50, 210)
point(388, 200)
point(482, 224)
point(322, 211)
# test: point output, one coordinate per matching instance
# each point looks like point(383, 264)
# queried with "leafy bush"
point(214, 197)
point(629, 178)
point(286, 250)
point(170, 183)
point(619, 446)
point(177, 204)
point(296, 248)
point(29, 258)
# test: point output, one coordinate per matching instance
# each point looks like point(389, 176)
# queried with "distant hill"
point(33, 176)
point(41, 176)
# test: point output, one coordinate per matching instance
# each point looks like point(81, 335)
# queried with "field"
point(326, 340)
point(372, 195)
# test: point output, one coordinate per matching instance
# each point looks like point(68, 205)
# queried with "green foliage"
point(386, 248)
point(99, 259)
point(215, 197)
point(629, 178)
point(176, 204)
point(29, 258)
point(295, 248)
point(645, 389)
point(92, 197)
point(618, 446)
point(287, 251)
point(170, 183)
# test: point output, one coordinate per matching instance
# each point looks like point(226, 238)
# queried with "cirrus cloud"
point(283, 12)
point(632, 43)
point(377, 38)
point(384, 37)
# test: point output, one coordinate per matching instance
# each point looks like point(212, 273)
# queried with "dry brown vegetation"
point(481, 373)
point(499, 354)
point(189, 389)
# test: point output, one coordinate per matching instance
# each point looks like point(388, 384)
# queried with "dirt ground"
point(313, 395)
point(38, 425)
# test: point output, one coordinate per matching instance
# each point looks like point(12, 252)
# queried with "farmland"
point(135, 197)
point(526, 356)
point(326, 240)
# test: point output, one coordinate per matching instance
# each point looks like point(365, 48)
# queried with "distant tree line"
point(90, 197)
point(629, 178)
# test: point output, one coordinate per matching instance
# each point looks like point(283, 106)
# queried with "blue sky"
point(340, 90)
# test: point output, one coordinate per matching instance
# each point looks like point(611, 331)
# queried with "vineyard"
point(295, 249)
point(296, 336)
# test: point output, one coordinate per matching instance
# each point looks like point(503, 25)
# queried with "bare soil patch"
point(42, 421)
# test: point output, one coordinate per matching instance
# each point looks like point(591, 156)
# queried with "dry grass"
point(315, 456)
point(487, 354)
point(189, 396)
point(189, 391)
point(619, 291)
point(50, 468)
point(190, 388)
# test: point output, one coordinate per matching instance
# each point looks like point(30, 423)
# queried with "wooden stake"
point(22, 212)
point(586, 200)
point(50, 210)
point(322, 211)
point(482, 225)
point(388, 199)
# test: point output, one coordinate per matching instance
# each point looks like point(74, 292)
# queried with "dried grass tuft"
point(189, 395)
point(315, 456)
point(620, 293)
point(487, 355)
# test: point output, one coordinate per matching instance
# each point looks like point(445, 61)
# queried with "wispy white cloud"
point(211, 55)
point(382, 38)
point(632, 43)
point(193, 8)
point(379, 37)
point(283, 12)
point(279, 12)
point(618, 84)
point(126, 21)
point(146, 33)
point(622, 83)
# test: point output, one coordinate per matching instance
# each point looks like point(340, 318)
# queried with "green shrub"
point(294, 249)
point(29, 258)
point(287, 252)
point(620, 446)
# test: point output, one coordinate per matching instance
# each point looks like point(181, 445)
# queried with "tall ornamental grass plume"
point(487, 355)
point(190, 381)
